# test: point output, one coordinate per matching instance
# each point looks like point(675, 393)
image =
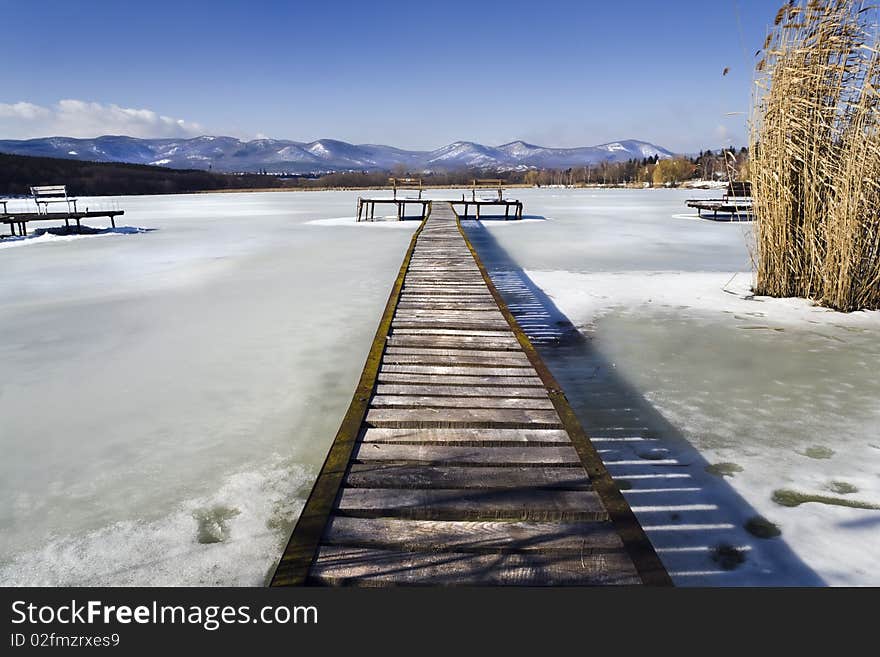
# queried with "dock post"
point(478, 211)
point(506, 211)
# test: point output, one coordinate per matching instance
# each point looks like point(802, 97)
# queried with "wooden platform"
point(18, 221)
point(736, 204)
point(734, 210)
point(459, 461)
point(366, 207)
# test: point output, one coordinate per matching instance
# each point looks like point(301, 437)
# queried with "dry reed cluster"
point(815, 148)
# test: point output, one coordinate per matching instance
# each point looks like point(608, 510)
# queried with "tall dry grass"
point(815, 149)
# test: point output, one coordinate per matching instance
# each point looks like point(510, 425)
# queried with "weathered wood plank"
point(435, 379)
point(467, 435)
point(464, 536)
point(442, 504)
point(442, 350)
point(466, 361)
point(458, 370)
point(410, 475)
point(338, 566)
point(454, 342)
point(503, 334)
point(514, 454)
point(476, 417)
point(445, 323)
point(460, 391)
point(440, 401)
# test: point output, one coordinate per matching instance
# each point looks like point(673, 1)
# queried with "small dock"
point(460, 461)
point(736, 204)
point(18, 221)
point(513, 208)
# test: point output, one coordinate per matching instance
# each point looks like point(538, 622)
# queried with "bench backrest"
point(739, 189)
point(49, 191)
point(488, 183)
point(406, 183)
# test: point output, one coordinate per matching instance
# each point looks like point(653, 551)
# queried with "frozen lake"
point(167, 397)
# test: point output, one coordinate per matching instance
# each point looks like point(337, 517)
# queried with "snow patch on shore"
point(230, 538)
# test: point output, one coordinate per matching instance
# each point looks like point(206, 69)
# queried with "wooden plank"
point(456, 370)
point(513, 360)
point(411, 475)
point(435, 379)
point(464, 536)
point(338, 566)
point(442, 504)
point(440, 323)
point(394, 349)
point(460, 391)
point(458, 305)
point(476, 417)
point(514, 454)
point(455, 316)
point(468, 435)
point(443, 401)
point(504, 333)
point(455, 342)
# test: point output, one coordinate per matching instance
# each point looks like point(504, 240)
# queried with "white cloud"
point(78, 118)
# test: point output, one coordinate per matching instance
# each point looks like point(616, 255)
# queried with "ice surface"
point(167, 397)
point(146, 376)
point(675, 368)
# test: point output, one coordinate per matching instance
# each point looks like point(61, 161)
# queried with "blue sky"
point(409, 74)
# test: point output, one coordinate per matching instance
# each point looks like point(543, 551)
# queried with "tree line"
point(19, 172)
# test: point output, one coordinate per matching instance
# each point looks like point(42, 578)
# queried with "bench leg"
point(113, 221)
point(78, 226)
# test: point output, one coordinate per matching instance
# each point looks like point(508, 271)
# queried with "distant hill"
point(227, 154)
point(18, 173)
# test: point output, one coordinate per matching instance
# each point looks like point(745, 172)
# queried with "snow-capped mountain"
point(278, 156)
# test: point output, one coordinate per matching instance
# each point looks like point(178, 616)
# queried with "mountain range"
point(325, 155)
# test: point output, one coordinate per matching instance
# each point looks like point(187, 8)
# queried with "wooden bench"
point(737, 202)
point(487, 183)
point(739, 189)
point(406, 183)
point(47, 194)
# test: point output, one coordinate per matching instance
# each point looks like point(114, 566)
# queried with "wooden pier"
point(460, 461)
point(737, 203)
point(366, 207)
point(17, 221)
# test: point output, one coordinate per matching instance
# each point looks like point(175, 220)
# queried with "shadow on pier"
point(695, 520)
